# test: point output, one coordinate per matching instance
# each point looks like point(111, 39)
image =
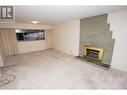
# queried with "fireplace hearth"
point(93, 55)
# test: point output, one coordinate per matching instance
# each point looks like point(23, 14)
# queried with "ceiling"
point(60, 14)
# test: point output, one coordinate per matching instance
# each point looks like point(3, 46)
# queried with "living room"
point(64, 47)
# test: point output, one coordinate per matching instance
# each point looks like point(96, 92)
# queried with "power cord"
point(6, 80)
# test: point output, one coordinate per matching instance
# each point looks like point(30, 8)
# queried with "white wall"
point(30, 46)
point(66, 37)
point(48, 37)
point(118, 24)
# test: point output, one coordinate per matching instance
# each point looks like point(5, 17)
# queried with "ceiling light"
point(35, 22)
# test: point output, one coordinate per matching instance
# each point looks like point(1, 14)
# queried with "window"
point(29, 35)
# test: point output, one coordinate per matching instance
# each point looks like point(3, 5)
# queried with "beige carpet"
point(51, 69)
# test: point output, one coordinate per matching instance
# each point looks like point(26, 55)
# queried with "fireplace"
point(93, 55)
point(93, 52)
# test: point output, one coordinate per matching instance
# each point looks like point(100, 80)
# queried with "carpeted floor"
point(51, 69)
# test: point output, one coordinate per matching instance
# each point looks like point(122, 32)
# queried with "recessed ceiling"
point(60, 14)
